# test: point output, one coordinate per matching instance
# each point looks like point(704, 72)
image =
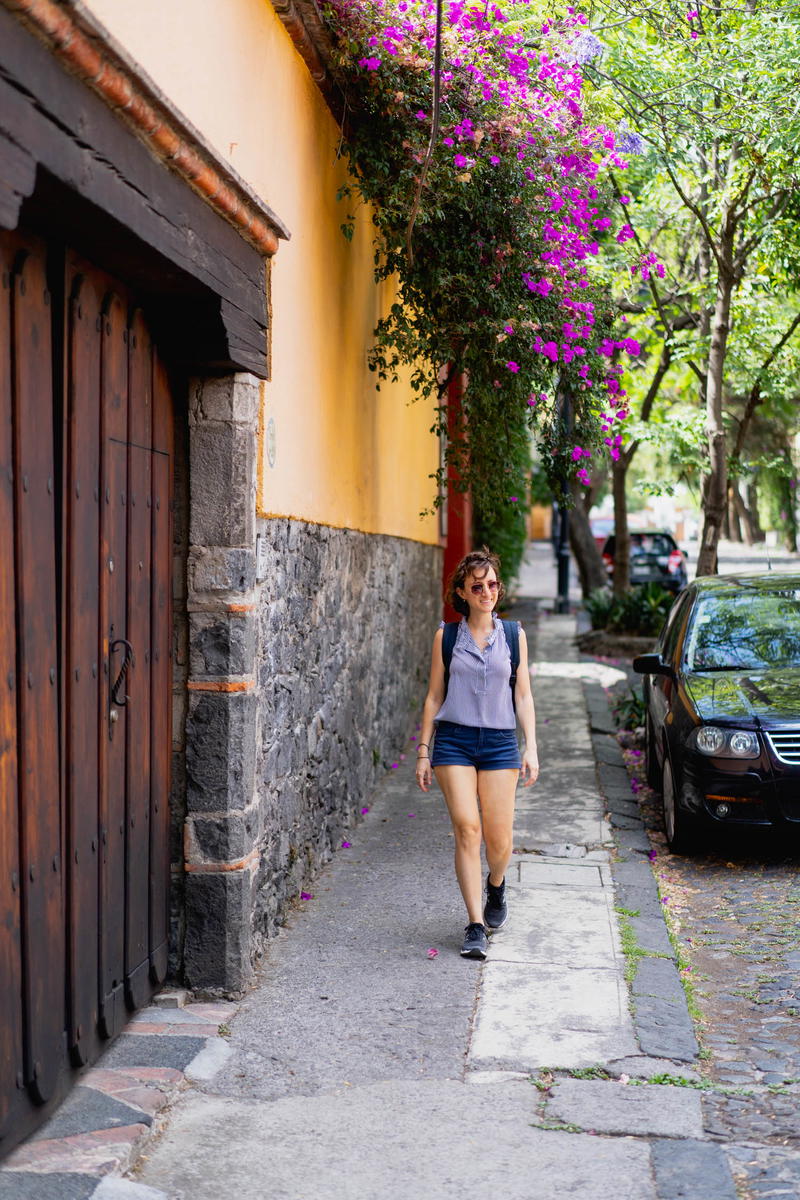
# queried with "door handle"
point(115, 701)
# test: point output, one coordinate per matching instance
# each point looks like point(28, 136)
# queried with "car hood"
point(762, 697)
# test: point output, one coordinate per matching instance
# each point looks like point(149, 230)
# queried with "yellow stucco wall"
point(344, 454)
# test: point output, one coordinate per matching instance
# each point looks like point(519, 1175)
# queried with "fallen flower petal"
point(346, 845)
point(365, 810)
point(306, 895)
point(433, 952)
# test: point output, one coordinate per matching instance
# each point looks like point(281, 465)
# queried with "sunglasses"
point(491, 586)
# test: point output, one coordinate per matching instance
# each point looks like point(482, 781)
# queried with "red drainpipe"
point(458, 539)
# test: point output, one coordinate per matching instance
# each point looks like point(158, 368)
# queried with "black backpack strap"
point(449, 634)
point(512, 638)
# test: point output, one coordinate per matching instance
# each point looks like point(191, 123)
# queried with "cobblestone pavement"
point(735, 915)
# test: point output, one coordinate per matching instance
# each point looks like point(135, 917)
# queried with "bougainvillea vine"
point(510, 208)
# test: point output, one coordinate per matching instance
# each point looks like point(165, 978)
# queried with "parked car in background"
point(601, 527)
point(722, 701)
point(655, 558)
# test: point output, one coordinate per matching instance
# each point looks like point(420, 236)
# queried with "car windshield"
point(650, 543)
point(751, 631)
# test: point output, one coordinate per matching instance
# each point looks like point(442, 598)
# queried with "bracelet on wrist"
point(422, 757)
point(425, 744)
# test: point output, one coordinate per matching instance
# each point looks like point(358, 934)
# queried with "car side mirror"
point(651, 664)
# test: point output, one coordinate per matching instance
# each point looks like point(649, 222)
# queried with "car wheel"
point(650, 760)
point(683, 835)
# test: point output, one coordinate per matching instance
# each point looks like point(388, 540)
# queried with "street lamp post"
point(562, 553)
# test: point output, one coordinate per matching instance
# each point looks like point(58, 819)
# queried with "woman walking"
point(475, 753)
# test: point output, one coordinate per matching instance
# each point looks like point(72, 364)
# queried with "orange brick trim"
point(212, 868)
point(83, 45)
point(220, 685)
point(302, 21)
point(240, 608)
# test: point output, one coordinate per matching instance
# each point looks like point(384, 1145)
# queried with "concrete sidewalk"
point(372, 1061)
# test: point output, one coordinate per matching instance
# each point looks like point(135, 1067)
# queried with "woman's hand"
point(530, 768)
point(424, 773)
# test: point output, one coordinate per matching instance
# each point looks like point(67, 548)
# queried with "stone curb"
point(108, 1119)
point(663, 1026)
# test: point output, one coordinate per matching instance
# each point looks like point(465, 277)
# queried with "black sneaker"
point(475, 941)
point(495, 912)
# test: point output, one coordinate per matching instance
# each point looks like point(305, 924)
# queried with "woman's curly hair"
point(477, 562)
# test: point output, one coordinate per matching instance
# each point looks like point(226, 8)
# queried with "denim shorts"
point(473, 746)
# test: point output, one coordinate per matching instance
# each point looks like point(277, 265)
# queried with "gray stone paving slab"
point(665, 1029)
point(634, 874)
point(161, 1050)
point(57, 1185)
point(632, 841)
point(85, 1110)
point(570, 927)
point(125, 1189)
point(533, 873)
point(651, 935)
point(606, 1106)
point(534, 1015)
point(402, 1140)
point(642, 901)
point(692, 1171)
point(658, 977)
point(587, 829)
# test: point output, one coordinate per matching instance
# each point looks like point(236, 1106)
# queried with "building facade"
point(217, 592)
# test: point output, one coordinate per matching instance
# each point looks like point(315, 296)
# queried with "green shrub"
point(628, 711)
point(641, 612)
point(598, 605)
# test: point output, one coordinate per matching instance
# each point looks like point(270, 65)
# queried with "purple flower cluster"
point(512, 102)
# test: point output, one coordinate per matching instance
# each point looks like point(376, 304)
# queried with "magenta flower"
point(365, 810)
point(306, 895)
point(346, 845)
point(461, 161)
point(433, 952)
point(421, 116)
point(369, 64)
point(513, 367)
point(395, 766)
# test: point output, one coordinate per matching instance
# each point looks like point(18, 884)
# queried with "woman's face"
point(480, 590)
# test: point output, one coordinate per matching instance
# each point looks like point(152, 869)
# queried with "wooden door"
point(85, 633)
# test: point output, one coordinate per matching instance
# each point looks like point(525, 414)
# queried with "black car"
point(722, 699)
point(655, 557)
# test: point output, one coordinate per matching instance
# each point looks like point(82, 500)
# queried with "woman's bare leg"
point(460, 787)
point(497, 792)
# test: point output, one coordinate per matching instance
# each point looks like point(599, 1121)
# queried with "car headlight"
point(725, 743)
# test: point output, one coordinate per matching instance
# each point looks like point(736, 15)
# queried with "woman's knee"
point(467, 834)
point(499, 843)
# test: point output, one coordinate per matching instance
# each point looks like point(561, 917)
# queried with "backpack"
point(449, 634)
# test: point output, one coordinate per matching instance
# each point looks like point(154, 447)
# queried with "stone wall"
point(346, 621)
point(302, 684)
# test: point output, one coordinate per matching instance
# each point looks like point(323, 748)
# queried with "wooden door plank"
point(40, 816)
point(82, 658)
point(11, 1046)
point(161, 697)
point(113, 564)
point(140, 433)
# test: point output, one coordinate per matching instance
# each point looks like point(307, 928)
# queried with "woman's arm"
point(526, 714)
point(433, 702)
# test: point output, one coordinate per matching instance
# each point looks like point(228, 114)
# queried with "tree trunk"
point(745, 518)
point(752, 511)
point(622, 539)
point(734, 527)
point(591, 569)
point(717, 490)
